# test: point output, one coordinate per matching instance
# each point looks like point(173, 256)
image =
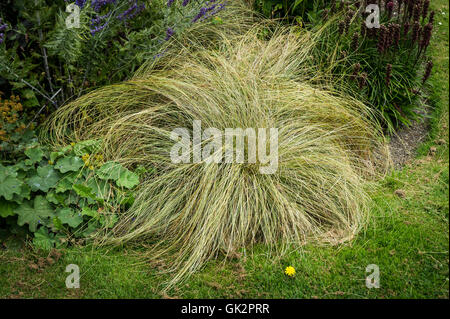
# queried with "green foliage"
point(290, 10)
point(49, 63)
point(16, 130)
point(374, 66)
point(56, 201)
point(388, 75)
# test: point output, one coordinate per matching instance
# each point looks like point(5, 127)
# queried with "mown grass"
point(408, 238)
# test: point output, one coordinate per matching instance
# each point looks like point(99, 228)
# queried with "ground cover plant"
point(51, 190)
point(386, 66)
point(48, 62)
point(399, 222)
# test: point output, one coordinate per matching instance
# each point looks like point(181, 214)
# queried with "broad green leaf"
point(46, 178)
point(69, 164)
point(54, 198)
point(83, 191)
point(87, 147)
point(42, 239)
point(25, 193)
point(70, 217)
point(110, 170)
point(122, 176)
point(7, 208)
point(128, 179)
point(99, 187)
point(66, 183)
point(86, 211)
point(34, 213)
point(57, 223)
point(9, 183)
point(34, 154)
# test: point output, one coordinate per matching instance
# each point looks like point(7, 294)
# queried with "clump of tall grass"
point(194, 211)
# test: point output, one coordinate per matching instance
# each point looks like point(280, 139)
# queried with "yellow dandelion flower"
point(290, 271)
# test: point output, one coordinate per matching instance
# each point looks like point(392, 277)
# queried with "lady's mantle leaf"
point(34, 154)
point(40, 213)
point(122, 176)
point(42, 239)
point(69, 164)
point(70, 217)
point(9, 183)
point(46, 178)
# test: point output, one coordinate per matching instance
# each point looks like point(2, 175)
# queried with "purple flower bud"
point(431, 18)
point(169, 33)
point(388, 74)
point(426, 6)
point(390, 8)
point(355, 41)
point(169, 3)
point(427, 73)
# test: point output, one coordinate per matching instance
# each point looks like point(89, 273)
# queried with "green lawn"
point(408, 238)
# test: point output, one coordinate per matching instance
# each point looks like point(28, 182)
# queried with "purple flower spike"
point(169, 33)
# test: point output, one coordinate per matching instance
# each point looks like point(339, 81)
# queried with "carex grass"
point(328, 146)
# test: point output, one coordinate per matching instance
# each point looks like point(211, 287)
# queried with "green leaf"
point(87, 147)
point(7, 208)
point(34, 154)
point(128, 179)
point(110, 170)
point(57, 223)
point(70, 217)
point(42, 239)
point(40, 213)
point(9, 183)
point(118, 173)
point(83, 191)
point(25, 193)
point(46, 178)
point(69, 164)
point(54, 198)
point(66, 183)
point(99, 188)
point(86, 211)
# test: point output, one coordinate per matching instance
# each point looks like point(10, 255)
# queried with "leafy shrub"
point(16, 129)
point(64, 195)
point(47, 63)
point(195, 211)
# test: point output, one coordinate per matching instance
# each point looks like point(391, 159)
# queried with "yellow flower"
point(91, 167)
point(50, 162)
point(72, 144)
point(290, 271)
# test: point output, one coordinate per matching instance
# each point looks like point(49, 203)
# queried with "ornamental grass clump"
point(191, 211)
